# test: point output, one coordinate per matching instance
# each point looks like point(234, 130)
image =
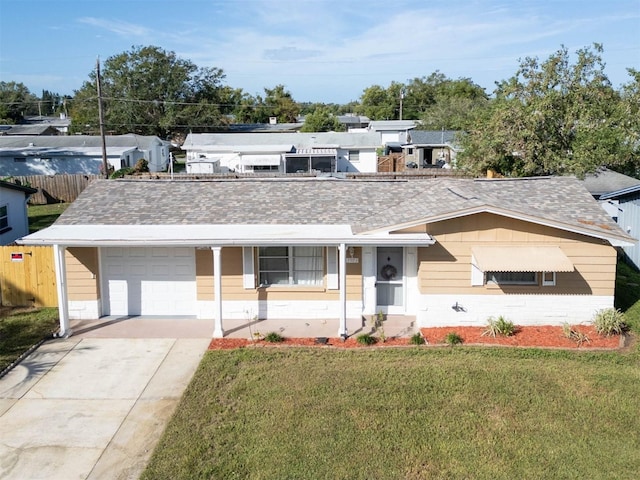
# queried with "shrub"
point(273, 337)
point(574, 335)
point(416, 339)
point(122, 172)
point(609, 321)
point(366, 339)
point(452, 339)
point(499, 326)
point(141, 166)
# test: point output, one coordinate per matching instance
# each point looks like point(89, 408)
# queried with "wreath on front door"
point(388, 272)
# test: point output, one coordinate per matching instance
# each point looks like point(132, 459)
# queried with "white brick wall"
point(474, 310)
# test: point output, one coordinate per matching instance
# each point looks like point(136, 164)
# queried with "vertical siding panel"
point(30, 282)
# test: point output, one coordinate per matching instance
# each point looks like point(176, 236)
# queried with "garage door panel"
point(149, 281)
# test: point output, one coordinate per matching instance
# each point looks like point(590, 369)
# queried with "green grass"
point(405, 414)
point(41, 216)
point(628, 295)
point(22, 329)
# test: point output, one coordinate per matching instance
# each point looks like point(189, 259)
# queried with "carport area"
point(92, 408)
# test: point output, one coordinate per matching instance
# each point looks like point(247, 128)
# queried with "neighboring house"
point(351, 121)
point(14, 222)
point(61, 122)
point(33, 130)
point(619, 195)
point(442, 251)
point(393, 133)
point(431, 148)
point(282, 152)
point(51, 155)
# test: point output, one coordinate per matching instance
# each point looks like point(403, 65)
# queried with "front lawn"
point(22, 328)
point(406, 413)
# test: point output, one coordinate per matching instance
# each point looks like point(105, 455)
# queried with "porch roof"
point(217, 235)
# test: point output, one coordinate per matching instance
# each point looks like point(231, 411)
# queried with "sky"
point(320, 50)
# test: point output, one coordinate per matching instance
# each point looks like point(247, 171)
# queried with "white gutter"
point(215, 235)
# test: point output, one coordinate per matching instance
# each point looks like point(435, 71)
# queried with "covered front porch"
point(114, 326)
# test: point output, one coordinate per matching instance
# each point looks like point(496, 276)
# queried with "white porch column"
point(370, 300)
point(411, 274)
point(217, 281)
point(342, 331)
point(61, 287)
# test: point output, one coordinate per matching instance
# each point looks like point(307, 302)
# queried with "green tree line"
point(555, 116)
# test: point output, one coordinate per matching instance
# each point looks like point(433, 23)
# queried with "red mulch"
point(538, 336)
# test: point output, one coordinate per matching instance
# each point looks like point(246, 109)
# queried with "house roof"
point(14, 186)
point(37, 129)
point(605, 181)
point(231, 141)
point(369, 209)
point(392, 125)
point(69, 141)
point(93, 151)
point(432, 137)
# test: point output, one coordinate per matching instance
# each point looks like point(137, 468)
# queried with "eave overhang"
point(613, 239)
point(215, 235)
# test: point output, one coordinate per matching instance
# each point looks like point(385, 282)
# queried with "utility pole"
point(401, 99)
point(105, 164)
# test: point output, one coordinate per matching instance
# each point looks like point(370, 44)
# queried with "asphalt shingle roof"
point(366, 205)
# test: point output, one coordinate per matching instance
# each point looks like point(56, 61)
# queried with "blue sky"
point(320, 50)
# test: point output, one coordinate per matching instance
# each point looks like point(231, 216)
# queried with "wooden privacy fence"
point(27, 277)
point(55, 188)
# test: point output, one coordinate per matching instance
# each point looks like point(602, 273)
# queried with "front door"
point(390, 279)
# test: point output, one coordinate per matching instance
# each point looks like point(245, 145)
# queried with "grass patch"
point(627, 296)
point(404, 413)
point(41, 216)
point(21, 329)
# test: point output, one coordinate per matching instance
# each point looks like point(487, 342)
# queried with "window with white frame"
point(548, 279)
point(291, 266)
point(512, 278)
point(4, 218)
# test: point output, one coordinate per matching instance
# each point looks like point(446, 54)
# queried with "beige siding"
point(446, 266)
point(233, 288)
point(82, 273)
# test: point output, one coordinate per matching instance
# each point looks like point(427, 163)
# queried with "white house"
point(14, 222)
point(51, 155)
point(282, 152)
point(393, 133)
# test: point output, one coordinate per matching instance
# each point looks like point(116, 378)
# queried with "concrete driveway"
point(91, 408)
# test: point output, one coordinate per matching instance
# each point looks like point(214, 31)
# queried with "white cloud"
point(118, 27)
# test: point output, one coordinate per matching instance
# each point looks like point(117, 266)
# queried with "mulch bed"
point(530, 336)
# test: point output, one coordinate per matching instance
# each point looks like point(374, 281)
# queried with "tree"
point(630, 114)
point(379, 103)
point(16, 101)
point(279, 103)
point(449, 104)
point(150, 91)
point(551, 118)
point(322, 120)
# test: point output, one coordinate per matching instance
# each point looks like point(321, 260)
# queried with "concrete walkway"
point(91, 408)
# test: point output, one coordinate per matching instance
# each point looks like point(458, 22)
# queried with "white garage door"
point(149, 281)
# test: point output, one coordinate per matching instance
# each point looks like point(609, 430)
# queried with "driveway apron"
point(91, 408)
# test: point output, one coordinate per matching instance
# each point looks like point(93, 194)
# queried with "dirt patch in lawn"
point(534, 336)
